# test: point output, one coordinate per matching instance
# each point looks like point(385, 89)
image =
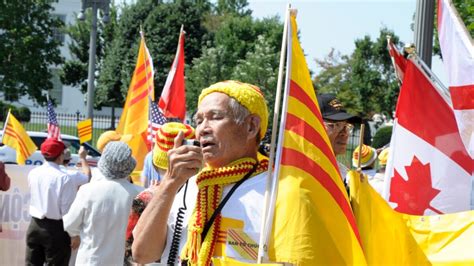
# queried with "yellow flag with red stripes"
point(313, 222)
point(134, 119)
point(15, 136)
point(84, 130)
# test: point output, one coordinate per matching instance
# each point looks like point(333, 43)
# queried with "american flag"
point(53, 127)
point(156, 119)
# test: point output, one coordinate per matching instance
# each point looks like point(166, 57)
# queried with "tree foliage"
point(243, 48)
point(27, 48)
point(364, 81)
point(465, 9)
point(161, 23)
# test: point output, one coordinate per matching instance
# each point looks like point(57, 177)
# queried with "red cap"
point(52, 148)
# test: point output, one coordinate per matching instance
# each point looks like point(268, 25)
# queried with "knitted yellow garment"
point(211, 183)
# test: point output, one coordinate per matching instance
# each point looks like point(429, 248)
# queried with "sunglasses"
point(339, 126)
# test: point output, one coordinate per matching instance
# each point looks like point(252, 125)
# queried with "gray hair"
point(239, 113)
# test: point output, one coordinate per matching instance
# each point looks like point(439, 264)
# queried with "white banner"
point(14, 216)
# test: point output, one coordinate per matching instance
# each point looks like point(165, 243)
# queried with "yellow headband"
point(247, 95)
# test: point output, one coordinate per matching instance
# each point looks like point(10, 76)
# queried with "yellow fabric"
point(385, 236)
point(383, 156)
point(446, 239)
point(368, 153)
point(15, 136)
point(211, 182)
point(134, 118)
point(313, 223)
point(109, 136)
point(165, 141)
point(247, 95)
point(84, 130)
point(226, 261)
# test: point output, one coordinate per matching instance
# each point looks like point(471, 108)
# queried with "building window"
point(58, 33)
point(57, 92)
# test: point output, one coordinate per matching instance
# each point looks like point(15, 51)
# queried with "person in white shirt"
point(100, 211)
point(52, 193)
point(231, 119)
point(79, 178)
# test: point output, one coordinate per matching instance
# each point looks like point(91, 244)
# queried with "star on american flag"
point(53, 126)
point(156, 119)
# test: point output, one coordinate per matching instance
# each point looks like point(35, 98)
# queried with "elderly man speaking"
point(225, 191)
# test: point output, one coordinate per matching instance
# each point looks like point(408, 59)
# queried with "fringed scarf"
point(211, 184)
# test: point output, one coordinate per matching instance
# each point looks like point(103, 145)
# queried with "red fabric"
point(418, 103)
point(4, 178)
point(462, 97)
point(52, 148)
point(173, 97)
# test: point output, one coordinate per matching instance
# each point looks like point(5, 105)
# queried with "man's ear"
point(253, 125)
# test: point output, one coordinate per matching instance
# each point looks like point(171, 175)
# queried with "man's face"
point(338, 133)
point(222, 139)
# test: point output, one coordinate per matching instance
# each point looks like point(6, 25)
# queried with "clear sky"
point(326, 24)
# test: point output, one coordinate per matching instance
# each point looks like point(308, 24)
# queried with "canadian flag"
point(429, 170)
point(173, 97)
point(457, 49)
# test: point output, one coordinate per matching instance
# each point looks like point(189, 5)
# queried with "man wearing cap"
point(52, 193)
point(338, 123)
point(227, 174)
point(100, 211)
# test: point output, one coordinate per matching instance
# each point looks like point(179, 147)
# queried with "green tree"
point(364, 81)
point(75, 71)
point(161, 23)
point(235, 53)
point(465, 8)
point(260, 67)
point(28, 48)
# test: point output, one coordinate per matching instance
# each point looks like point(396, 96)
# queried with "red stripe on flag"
point(299, 160)
point(138, 97)
point(251, 252)
point(297, 92)
point(84, 131)
point(462, 97)
point(142, 81)
point(303, 129)
point(23, 149)
point(139, 69)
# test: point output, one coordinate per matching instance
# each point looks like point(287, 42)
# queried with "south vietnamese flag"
point(429, 170)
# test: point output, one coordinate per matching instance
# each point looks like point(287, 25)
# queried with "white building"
point(69, 99)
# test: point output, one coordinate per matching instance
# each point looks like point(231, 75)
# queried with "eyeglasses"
point(339, 126)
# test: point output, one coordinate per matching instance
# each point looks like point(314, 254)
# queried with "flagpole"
point(361, 143)
point(389, 41)
point(271, 187)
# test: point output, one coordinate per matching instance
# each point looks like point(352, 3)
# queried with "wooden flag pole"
point(361, 143)
point(272, 178)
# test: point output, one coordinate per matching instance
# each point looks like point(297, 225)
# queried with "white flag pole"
point(271, 185)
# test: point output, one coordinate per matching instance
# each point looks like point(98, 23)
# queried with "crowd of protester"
point(99, 217)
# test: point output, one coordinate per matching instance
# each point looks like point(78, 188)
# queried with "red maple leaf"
point(414, 195)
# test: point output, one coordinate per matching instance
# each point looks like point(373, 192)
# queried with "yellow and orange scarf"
point(211, 184)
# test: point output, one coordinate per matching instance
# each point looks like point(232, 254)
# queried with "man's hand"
point(75, 242)
point(82, 152)
point(184, 161)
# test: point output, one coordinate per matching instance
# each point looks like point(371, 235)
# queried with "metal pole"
point(424, 23)
point(92, 51)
